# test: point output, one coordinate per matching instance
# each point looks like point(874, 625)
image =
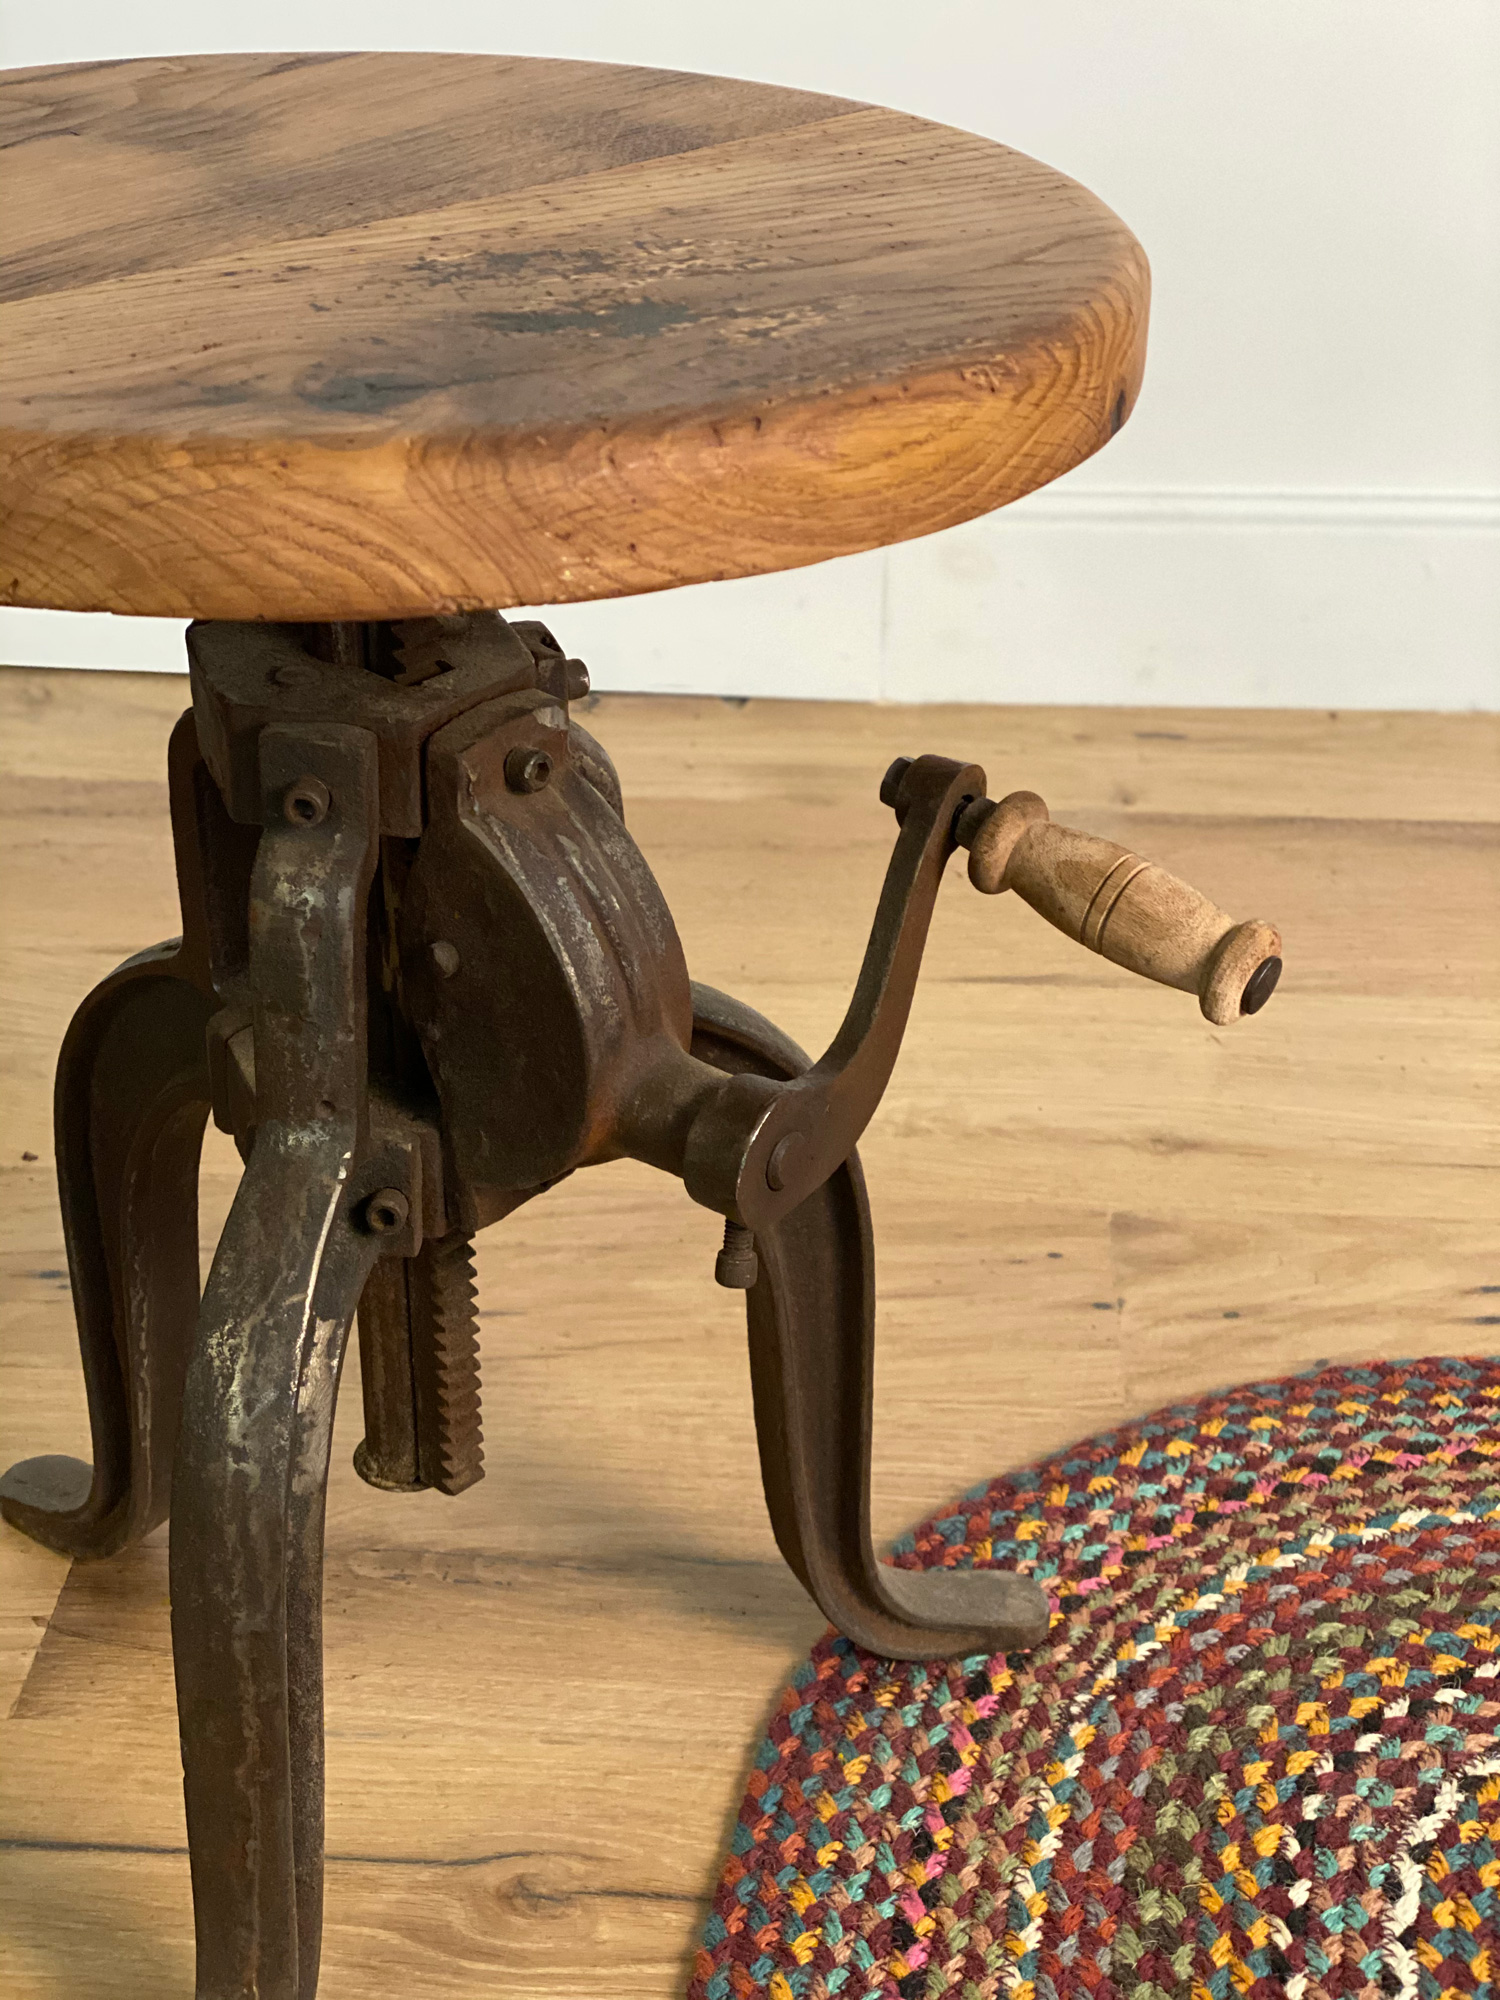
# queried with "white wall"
point(1305, 508)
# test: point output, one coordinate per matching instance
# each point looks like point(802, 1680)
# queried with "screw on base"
point(527, 770)
point(387, 1209)
point(737, 1267)
point(306, 803)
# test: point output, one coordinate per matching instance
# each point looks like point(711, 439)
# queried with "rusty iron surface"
point(129, 1107)
point(425, 973)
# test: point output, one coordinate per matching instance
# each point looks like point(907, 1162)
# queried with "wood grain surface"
point(543, 1696)
point(349, 336)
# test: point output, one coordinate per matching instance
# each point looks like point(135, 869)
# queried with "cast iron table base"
point(424, 973)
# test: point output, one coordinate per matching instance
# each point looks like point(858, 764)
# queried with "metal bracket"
point(401, 682)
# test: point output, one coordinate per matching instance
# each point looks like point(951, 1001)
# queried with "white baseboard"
point(1221, 507)
point(1077, 594)
point(1281, 600)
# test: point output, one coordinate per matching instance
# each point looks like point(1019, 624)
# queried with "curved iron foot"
point(130, 1105)
point(811, 1320)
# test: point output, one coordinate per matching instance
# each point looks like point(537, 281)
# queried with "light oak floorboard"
point(543, 1696)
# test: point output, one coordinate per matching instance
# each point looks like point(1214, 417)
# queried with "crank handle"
point(1129, 910)
point(753, 1149)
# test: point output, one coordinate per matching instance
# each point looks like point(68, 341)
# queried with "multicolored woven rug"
point(1259, 1755)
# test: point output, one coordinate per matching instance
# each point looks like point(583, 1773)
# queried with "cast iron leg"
point(811, 1320)
point(131, 1100)
point(247, 1560)
point(129, 1107)
point(252, 1457)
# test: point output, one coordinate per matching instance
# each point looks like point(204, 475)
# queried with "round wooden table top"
point(364, 336)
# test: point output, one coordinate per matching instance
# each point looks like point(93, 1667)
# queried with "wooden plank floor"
point(542, 1696)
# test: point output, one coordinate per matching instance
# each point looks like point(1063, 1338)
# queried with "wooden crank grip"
point(1127, 909)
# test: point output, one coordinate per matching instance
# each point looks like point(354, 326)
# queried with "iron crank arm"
point(755, 1150)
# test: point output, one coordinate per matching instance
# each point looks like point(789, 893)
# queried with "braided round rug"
point(1259, 1754)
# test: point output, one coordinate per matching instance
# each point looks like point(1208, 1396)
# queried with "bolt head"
point(306, 803)
point(890, 784)
point(387, 1209)
point(445, 958)
point(737, 1270)
point(783, 1158)
point(737, 1266)
point(527, 770)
